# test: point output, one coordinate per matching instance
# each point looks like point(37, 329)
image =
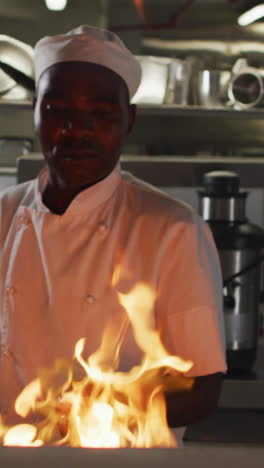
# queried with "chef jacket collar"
point(87, 200)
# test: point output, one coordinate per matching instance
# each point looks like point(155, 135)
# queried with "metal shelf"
point(160, 110)
point(15, 105)
point(193, 129)
point(198, 111)
point(187, 171)
point(188, 129)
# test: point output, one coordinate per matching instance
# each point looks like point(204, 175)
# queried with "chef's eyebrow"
point(106, 99)
point(107, 102)
point(102, 100)
point(50, 94)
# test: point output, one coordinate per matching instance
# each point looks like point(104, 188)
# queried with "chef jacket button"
point(7, 354)
point(10, 290)
point(27, 221)
point(90, 299)
point(102, 226)
point(22, 220)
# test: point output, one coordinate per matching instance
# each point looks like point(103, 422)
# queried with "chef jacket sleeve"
point(189, 304)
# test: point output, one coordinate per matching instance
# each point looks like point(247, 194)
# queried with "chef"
point(64, 233)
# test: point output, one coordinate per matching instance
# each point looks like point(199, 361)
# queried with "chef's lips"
point(71, 149)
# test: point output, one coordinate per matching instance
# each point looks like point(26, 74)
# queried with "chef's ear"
point(132, 112)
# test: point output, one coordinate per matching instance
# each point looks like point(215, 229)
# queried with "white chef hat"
point(89, 44)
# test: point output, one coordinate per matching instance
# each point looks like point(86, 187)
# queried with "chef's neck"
point(57, 198)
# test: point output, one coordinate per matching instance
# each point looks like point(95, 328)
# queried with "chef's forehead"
point(92, 45)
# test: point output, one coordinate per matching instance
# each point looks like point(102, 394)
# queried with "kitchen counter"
point(240, 414)
point(194, 456)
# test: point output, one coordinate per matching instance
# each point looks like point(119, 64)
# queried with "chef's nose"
point(67, 127)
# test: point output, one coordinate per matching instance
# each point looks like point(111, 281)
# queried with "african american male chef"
point(63, 233)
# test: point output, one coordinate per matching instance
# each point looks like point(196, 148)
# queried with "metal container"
point(211, 88)
point(179, 81)
point(164, 80)
point(155, 72)
point(240, 245)
point(246, 87)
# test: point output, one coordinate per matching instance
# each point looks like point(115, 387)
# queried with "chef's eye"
point(103, 114)
point(106, 115)
point(50, 107)
point(53, 106)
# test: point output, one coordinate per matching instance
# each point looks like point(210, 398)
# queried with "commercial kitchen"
point(198, 136)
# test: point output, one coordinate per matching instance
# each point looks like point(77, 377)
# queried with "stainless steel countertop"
point(193, 456)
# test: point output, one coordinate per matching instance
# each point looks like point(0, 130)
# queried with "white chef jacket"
point(56, 273)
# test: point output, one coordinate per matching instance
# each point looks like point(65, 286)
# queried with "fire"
point(105, 408)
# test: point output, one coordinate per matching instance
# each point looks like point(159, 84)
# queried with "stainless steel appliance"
point(240, 244)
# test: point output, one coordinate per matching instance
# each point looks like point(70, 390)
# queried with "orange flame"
point(106, 408)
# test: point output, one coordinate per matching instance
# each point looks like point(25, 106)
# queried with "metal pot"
point(164, 80)
point(155, 71)
point(179, 81)
point(211, 88)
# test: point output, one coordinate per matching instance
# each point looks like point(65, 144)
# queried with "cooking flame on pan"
point(105, 408)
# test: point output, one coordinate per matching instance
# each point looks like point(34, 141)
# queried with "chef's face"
point(82, 116)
